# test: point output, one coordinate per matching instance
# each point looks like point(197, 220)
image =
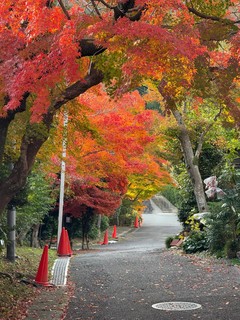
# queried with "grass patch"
point(235, 261)
point(14, 294)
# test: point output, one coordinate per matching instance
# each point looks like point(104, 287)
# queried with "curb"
point(59, 271)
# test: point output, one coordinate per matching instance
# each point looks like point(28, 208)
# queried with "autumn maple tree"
point(51, 53)
point(108, 144)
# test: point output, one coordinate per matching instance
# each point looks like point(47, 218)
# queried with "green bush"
point(104, 223)
point(223, 227)
point(217, 233)
point(231, 248)
point(93, 232)
point(196, 242)
point(168, 241)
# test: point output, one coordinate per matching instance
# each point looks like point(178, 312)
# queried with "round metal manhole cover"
point(176, 306)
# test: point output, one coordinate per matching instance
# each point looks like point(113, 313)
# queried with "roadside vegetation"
point(16, 281)
point(218, 231)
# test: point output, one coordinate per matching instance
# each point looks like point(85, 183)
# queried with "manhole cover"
point(176, 306)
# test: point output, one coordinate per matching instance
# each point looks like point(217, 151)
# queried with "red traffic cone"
point(63, 246)
point(68, 243)
point(105, 241)
point(114, 234)
point(136, 225)
point(42, 273)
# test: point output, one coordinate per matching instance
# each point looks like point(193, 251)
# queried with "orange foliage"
point(108, 142)
point(39, 46)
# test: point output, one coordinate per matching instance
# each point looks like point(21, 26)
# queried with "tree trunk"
point(21, 237)
point(191, 159)
point(191, 162)
point(34, 240)
point(99, 224)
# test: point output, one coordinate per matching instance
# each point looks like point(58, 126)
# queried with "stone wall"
point(164, 204)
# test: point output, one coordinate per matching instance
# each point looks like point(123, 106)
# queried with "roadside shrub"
point(223, 224)
point(231, 248)
point(217, 233)
point(104, 223)
point(124, 213)
point(223, 228)
point(168, 241)
point(196, 242)
point(93, 232)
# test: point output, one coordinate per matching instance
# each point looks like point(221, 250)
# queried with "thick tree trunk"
point(191, 159)
point(191, 163)
point(17, 178)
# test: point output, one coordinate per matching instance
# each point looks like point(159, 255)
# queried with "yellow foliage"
point(194, 224)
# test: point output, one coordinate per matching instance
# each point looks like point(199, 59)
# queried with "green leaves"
point(210, 7)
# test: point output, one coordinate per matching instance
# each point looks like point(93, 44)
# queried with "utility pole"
point(62, 179)
point(11, 238)
point(11, 226)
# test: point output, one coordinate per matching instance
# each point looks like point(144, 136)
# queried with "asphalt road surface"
point(122, 281)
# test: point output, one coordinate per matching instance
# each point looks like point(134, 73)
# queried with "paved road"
point(157, 226)
point(122, 281)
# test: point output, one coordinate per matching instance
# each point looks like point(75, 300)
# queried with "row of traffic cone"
point(137, 224)
point(114, 235)
point(64, 249)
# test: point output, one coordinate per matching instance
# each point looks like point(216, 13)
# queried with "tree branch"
point(79, 87)
point(208, 17)
point(203, 134)
point(88, 48)
point(64, 9)
point(96, 9)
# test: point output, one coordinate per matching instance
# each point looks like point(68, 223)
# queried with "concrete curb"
point(60, 271)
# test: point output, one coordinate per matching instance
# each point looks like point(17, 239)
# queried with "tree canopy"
point(51, 53)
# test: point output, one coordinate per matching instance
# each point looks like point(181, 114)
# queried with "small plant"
point(168, 241)
point(192, 223)
point(196, 242)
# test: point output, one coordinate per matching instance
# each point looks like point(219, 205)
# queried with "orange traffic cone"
point(68, 242)
point(63, 246)
point(136, 225)
point(114, 234)
point(105, 241)
point(42, 273)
